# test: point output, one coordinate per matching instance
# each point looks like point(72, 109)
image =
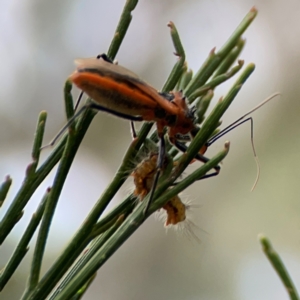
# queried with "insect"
point(120, 92)
point(176, 212)
point(143, 177)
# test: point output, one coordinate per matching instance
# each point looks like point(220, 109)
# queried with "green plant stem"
point(175, 74)
point(202, 106)
point(129, 226)
point(212, 122)
point(111, 237)
point(22, 246)
point(215, 82)
point(102, 203)
point(38, 138)
point(215, 59)
point(4, 188)
point(31, 184)
point(79, 241)
point(179, 67)
point(190, 179)
point(87, 256)
point(185, 78)
point(59, 180)
point(279, 267)
point(125, 207)
point(122, 28)
point(230, 58)
point(82, 290)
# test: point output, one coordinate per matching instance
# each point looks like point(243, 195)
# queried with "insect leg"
point(200, 157)
point(160, 162)
point(133, 131)
point(93, 106)
point(231, 127)
point(70, 121)
point(115, 113)
point(228, 129)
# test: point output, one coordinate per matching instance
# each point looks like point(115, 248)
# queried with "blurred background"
point(39, 41)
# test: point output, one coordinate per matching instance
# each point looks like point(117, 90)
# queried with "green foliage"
point(102, 236)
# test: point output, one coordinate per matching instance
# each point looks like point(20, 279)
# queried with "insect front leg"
point(132, 130)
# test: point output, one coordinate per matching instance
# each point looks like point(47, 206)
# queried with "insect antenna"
point(239, 122)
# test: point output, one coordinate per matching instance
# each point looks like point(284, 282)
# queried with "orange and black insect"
point(122, 93)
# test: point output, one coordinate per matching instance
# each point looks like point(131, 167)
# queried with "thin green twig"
point(230, 58)
point(212, 121)
point(279, 267)
point(190, 179)
point(59, 180)
point(185, 78)
point(216, 81)
point(222, 107)
point(130, 225)
point(179, 66)
point(38, 140)
point(215, 59)
point(124, 208)
point(4, 188)
point(87, 256)
point(122, 28)
point(79, 241)
point(22, 246)
point(202, 106)
point(31, 184)
point(111, 235)
point(15, 209)
point(82, 290)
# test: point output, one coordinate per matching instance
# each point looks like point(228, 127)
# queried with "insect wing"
point(101, 64)
point(119, 89)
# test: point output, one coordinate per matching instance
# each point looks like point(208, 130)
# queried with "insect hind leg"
point(160, 162)
point(200, 157)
